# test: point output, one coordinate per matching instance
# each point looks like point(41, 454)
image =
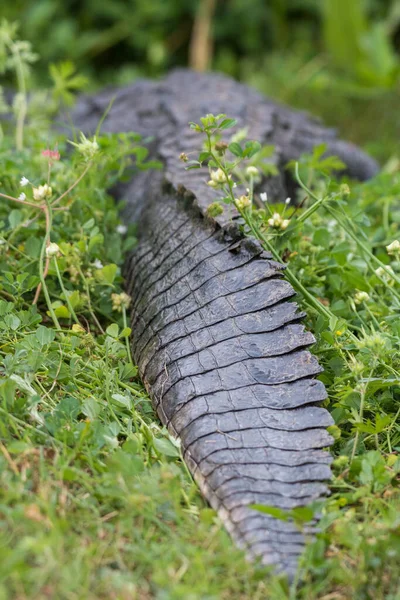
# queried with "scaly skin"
point(216, 335)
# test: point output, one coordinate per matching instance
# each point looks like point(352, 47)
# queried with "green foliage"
point(133, 38)
point(334, 58)
point(342, 252)
point(66, 82)
point(95, 500)
point(362, 50)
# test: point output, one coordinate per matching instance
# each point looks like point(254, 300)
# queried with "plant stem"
point(64, 291)
point(81, 176)
point(19, 136)
point(42, 271)
point(349, 231)
point(128, 347)
point(89, 300)
point(267, 244)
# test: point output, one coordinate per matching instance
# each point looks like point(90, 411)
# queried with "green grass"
point(95, 501)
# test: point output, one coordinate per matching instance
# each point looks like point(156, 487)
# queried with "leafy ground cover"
point(95, 501)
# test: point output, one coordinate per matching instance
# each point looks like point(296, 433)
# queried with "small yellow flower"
point(42, 192)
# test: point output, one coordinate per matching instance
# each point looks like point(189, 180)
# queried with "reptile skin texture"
point(216, 334)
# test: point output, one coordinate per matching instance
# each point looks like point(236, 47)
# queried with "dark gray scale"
point(258, 548)
point(227, 353)
point(206, 241)
point(168, 242)
point(167, 215)
point(215, 337)
point(191, 275)
point(147, 248)
point(255, 322)
point(262, 437)
point(288, 420)
point(267, 371)
point(268, 472)
point(257, 521)
point(251, 486)
point(265, 294)
point(204, 467)
point(276, 537)
point(288, 503)
point(242, 515)
point(188, 274)
point(283, 396)
point(223, 284)
point(200, 239)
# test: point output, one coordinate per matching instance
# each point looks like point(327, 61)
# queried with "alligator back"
point(216, 335)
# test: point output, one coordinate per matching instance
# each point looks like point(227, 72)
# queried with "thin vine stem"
point(267, 244)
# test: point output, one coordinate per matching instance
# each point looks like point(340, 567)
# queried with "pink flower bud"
point(51, 154)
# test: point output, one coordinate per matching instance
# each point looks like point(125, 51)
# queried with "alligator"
point(216, 335)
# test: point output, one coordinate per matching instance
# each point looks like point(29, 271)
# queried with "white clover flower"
point(218, 177)
point(98, 264)
point(288, 201)
point(361, 297)
point(41, 192)
point(23, 181)
point(120, 301)
point(278, 222)
point(243, 202)
point(384, 274)
point(264, 197)
point(22, 196)
point(393, 248)
point(252, 171)
point(52, 250)
point(122, 229)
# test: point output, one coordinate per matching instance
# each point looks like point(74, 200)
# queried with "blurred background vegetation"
point(339, 59)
